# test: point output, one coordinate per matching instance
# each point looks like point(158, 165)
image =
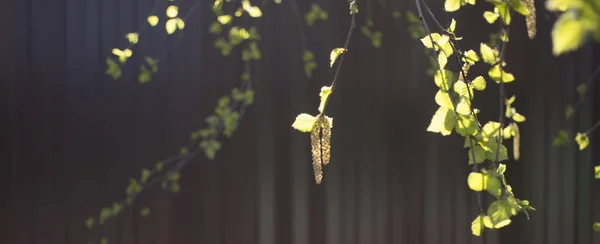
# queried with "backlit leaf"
point(597, 171)
point(582, 140)
point(304, 122)
point(452, 5)
point(479, 154)
point(324, 94)
point(153, 20)
point(224, 19)
point(171, 26)
point(487, 54)
point(479, 83)
point(568, 33)
point(490, 17)
point(443, 122)
point(172, 11)
point(335, 53)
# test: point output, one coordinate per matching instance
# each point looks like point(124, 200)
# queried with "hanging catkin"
point(326, 139)
point(530, 19)
point(315, 143)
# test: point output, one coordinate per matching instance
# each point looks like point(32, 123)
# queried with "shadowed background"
point(72, 137)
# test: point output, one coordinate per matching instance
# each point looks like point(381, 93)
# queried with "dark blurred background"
point(72, 137)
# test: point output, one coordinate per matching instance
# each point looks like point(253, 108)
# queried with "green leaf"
point(496, 73)
point(451, 5)
point(442, 60)
point(477, 225)
point(562, 5)
point(89, 223)
point(569, 112)
point(353, 8)
point(487, 54)
point(171, 26)
point(427, 40)
point(133, 37)
point(452, 25)
point(479, 155)
point(210, 148)
point(596, 227)
point(152, 20)
point(443, 122)
point(442, 79)
point(479, 83)
point(568, 34)
point(113, 69)
point(180, 23)
point(480, 182)
point(491, 129)
point(146, 173)
point(520, 7)
point(501, 169)
point(304, 122)
point(103, 240)
point(582, 140)
point(105, 214)
point(561, 139)
point(517, 117)
point(470, 57)
point(581, 89)
point(500, 212)
point(224, 19)
point(145, 212)
point(491, 148)
point(504, 12)
point(172, 11)
point(490, 17)
point(324, 94)
point(335, 53)
point(597, 171)
point(215, 28)
point(466, 125)
point(443, 100)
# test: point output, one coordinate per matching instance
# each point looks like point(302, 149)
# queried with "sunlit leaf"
point(304, 122)
point(477, 225)
point(172, 11)
point(335, 53)
point(324, 95)
point(568, 34)
point(496, 73)
point(132, 37)
point(479, 83)
point(597, 171)
point(582, 140)
point(180, 23)
point(443, 122)
point(452, 25)
point(452, 5)
point(487, 54)
point(171, 26)
point(471, 57)
point(499, 212)
point(442, 79)
point(152, 20)
point(490, 17)
point(517, 117)
point(504, 12)
point(479, 154)
point(224, 19)
point(520, 7)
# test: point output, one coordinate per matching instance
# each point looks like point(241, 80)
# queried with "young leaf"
point(479, 83)
point(451, 5)
point(144, 212)
point(132, 37)
point(171, 26)
point(569, 112)
point(487, 54)
point(180, 23)
point(324, 94)
point(479, 155)
point(496, 73)
point(470, 57)
point(477, 225)
point(517, 117)
point(443, 122)
point(172, 11)
point(152, 20)
point(597, 171)
point(582, 140)
point(335, 53)
point(224, 19)
point(490, 17)
point(568, 34)
point(304, 122)
point(520, 7)
point(561, 139)
point(499, 212)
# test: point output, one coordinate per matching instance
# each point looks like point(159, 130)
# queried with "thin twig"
point(593, 128)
